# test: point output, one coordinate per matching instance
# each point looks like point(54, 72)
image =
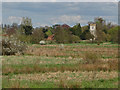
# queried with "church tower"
point(92, 28)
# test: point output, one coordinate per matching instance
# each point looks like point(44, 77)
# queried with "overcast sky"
point(49, 13)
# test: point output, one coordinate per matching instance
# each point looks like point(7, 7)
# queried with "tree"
point(37, 35)
point(62, 35)
point(101, 29)
point(101, 36)
point(26, 21)
point(48, 33)
point(27, 25)
point(86, 35)
point(76, 30)
point(28, 30)
point(15, 25)
point(113, 32)
point(99, 20)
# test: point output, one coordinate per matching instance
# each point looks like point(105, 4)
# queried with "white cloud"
point(14, 19)
point(68, 19)
point(60, 0)
point(41, 25)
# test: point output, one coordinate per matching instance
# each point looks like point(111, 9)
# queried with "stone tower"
point(93, 29)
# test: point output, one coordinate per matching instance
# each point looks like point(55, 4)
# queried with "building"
point(92, 28)
point(50, 38)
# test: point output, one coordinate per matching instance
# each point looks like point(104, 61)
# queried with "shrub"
point(75, 39)
point(91, 58)
point(12, 46)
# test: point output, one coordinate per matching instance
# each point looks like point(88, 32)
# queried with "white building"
point(93, 29)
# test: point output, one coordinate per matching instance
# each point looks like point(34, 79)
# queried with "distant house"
point(50, 38)
point(65, 26)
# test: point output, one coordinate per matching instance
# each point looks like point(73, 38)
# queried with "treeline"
point(106, 32)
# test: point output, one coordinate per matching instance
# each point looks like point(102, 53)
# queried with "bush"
point(91, 58)
point(12, 46)
point(75, 39)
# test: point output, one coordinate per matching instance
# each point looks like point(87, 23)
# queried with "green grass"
point(27, 84)
point(107, 57)
point(111, 83)
point(26, 60)
point(101, 83)
point(108, 45)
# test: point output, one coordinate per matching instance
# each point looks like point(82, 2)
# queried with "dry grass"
point(82, 58)
point(65, 84)
point(71, 64)
point(109, 66)
point(67, 76)
point(74, 51)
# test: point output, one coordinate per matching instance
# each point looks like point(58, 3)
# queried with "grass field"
point(71, 66)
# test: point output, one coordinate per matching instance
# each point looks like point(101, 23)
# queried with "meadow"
point(69, 66)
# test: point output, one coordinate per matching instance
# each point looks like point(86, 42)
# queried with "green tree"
point(101, 36)
point(86, 35)
point(37, 35)
point(49, 32)
point(113, 32)
point(27, 26)
point(76, 30)
point(62, 35)
point(28, 30)
point(26, 21)
point(101, 30)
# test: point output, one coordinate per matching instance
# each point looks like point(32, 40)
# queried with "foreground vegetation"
point(62, 66)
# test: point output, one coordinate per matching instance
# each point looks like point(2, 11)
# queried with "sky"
point(50, 13)
point(60, 0)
